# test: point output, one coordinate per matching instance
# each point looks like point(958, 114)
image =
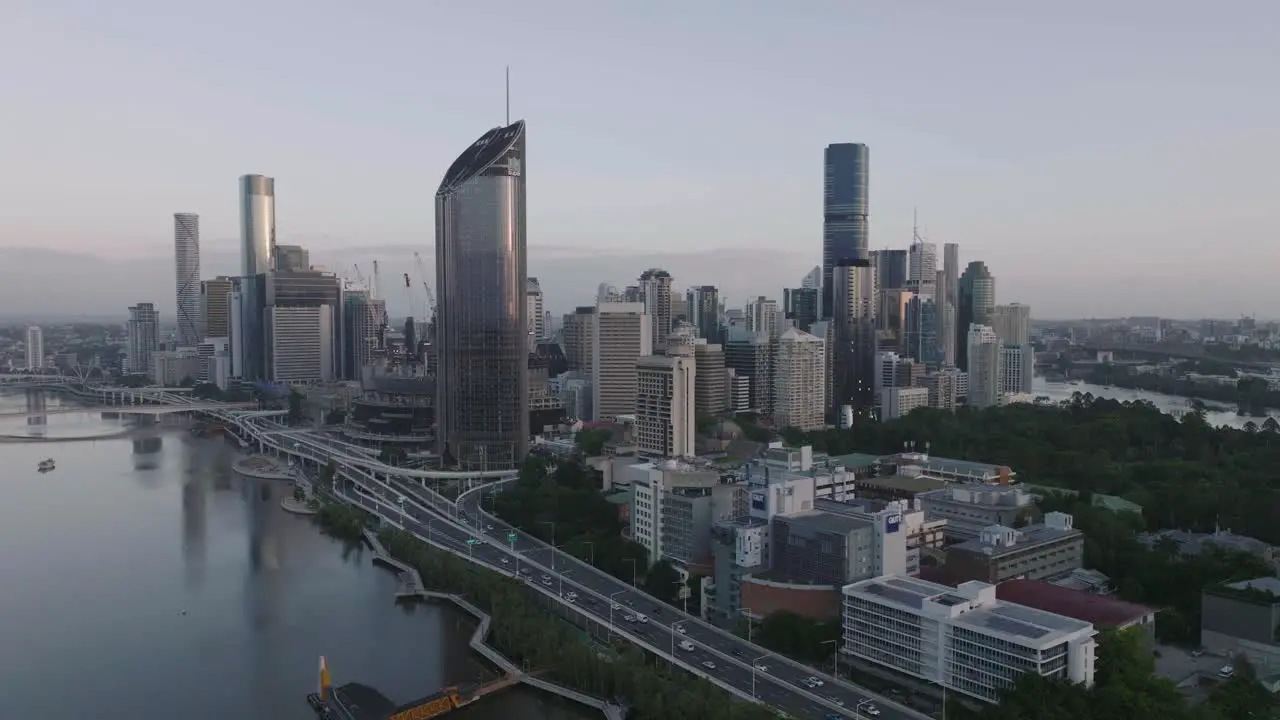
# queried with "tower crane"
point(431, 298)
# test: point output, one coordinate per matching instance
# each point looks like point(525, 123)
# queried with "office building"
point(577, 338)
point(800, 307)
point(983, 350)
point(214, 355)
point(1040, 551)
point(948, 300)
point(302, 289)
point(891, 268)
point(922, 265)
point(174, 368)
point(621, 334)
point(257, 259)
point(302, 343)
point(969, 508)
point(845, 209)
point(673, 505)
point(853, 371)
point(892, 316)
point(963, 638)
point(922, 324)
point(799, 377)
point(186, 262)
point(143, 331)
point(709, 396)
point(821, 548)
point(292, 258)
point(751, 356)
point(482, 326)
point(739, 546)
point(894, 370)
point(702, 304)
point(655, 292)
point(35, 348)
point(1240, 618)
point(898, 401)
point(533, 306)
point(763, 317)
point(975, 304)
point(737, 391)
point(813, 279)
point(215, 307)
point(364, 319)
point(664, 404)
point(1012, 323)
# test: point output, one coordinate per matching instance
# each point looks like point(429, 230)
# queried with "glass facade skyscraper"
point(482, 382)
point(844, 213)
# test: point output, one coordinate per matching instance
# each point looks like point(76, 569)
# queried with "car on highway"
point(836, 700)
point(686, 645)
point(505, 561)
point(708, 665)
point(762, 668)
point(629, 618)
point(614, 606)
point(680, 629)
point(871, 710)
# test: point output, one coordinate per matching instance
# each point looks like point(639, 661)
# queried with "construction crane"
point(430, 307)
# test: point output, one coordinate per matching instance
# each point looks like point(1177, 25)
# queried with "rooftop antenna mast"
point(508, 122)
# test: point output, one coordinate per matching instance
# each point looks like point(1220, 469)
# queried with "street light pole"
point(857, 710)
point(754, 666)
point(633, 570)
point(746, 612)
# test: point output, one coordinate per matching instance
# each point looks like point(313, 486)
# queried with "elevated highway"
point(128, 409)
point(1185, 351)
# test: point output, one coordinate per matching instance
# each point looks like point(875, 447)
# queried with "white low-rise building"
point(962, 638)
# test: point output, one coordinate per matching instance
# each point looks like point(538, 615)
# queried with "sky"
point(1102, 158)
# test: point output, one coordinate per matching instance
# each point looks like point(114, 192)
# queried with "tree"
point(591, 441)
point(187, 382)
point(335, 416)
point(295, 406)
point(662, 581)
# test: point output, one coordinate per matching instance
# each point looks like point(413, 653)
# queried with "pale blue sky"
point(1098, 155)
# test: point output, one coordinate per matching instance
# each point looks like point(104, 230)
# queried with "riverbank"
point(411, 587)
point(1218, 413)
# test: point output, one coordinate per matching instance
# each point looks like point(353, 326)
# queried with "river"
point(143, 578)
point(1218, 413)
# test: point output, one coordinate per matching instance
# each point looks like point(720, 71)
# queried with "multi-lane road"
point(468, 531)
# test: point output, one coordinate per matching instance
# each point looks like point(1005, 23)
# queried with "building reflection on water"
point(195, 529)
point(146, 456)
point(37, 420)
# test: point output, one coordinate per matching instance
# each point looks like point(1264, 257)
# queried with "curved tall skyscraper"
point(257, 258)
point(845, 171)
point(186, 261)
point(482, 405)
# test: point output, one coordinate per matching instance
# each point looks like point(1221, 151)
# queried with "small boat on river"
point(45, 465)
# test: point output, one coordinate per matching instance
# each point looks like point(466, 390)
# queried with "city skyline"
point(1034, 210)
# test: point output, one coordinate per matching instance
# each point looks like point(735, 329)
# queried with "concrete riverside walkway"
point(411, 587)
point(263, 468)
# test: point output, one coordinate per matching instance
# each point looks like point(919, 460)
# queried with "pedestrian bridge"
point(130, 409)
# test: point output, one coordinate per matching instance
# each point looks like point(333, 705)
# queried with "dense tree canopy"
point(1184, 473)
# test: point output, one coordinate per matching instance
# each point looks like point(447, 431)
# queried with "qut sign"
point(892, 523)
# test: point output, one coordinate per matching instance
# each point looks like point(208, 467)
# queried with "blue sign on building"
point(892, 523)
point(758, 500)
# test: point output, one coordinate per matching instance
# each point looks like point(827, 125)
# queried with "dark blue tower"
point(844, 212)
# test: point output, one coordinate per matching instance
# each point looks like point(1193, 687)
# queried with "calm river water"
point(144, 579)
point(1218, 414)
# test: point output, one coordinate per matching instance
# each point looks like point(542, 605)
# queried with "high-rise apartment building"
point(703, 308)
point(665, 405)
point(948, 303)
point(800, 306)
point(292, 258)
point(799, 379)
point(763, 317)
point(186, 262)
point(944, 386)
point(1012, 323)
point(891, 316)
point(143, 338)
point(983, 348)
point(257, 259)
point(533, 306)
point(482, 326)
point(215, 307)
point(854, 296)
point(621, 334)
point(35, 348)
point(1017, 369)
point(846, 169)
point(976, 300)
point(923, 320)
point(709, 383)
point(576, 337)
point(655, 293)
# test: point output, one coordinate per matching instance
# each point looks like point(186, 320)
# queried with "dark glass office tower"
point(482, 393)
point(891, 267)
point(844, 212)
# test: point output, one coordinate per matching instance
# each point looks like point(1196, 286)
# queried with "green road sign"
point(511, 537)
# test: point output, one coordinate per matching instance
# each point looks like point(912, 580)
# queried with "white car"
point(488, 527)
point(642, 618)
point(814, 681)
point(615, 606)
point(871, 710)
point(680, 629)
point(836, 700)
point(708, 665)
point(569, 598)
point(546, 582)
point(762, 668)
point(686, 645)
point(629, 618)
point(505, 561)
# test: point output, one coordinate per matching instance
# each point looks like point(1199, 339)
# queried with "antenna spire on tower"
point(508, 122)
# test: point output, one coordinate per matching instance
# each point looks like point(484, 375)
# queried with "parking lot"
point(1184, 669)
